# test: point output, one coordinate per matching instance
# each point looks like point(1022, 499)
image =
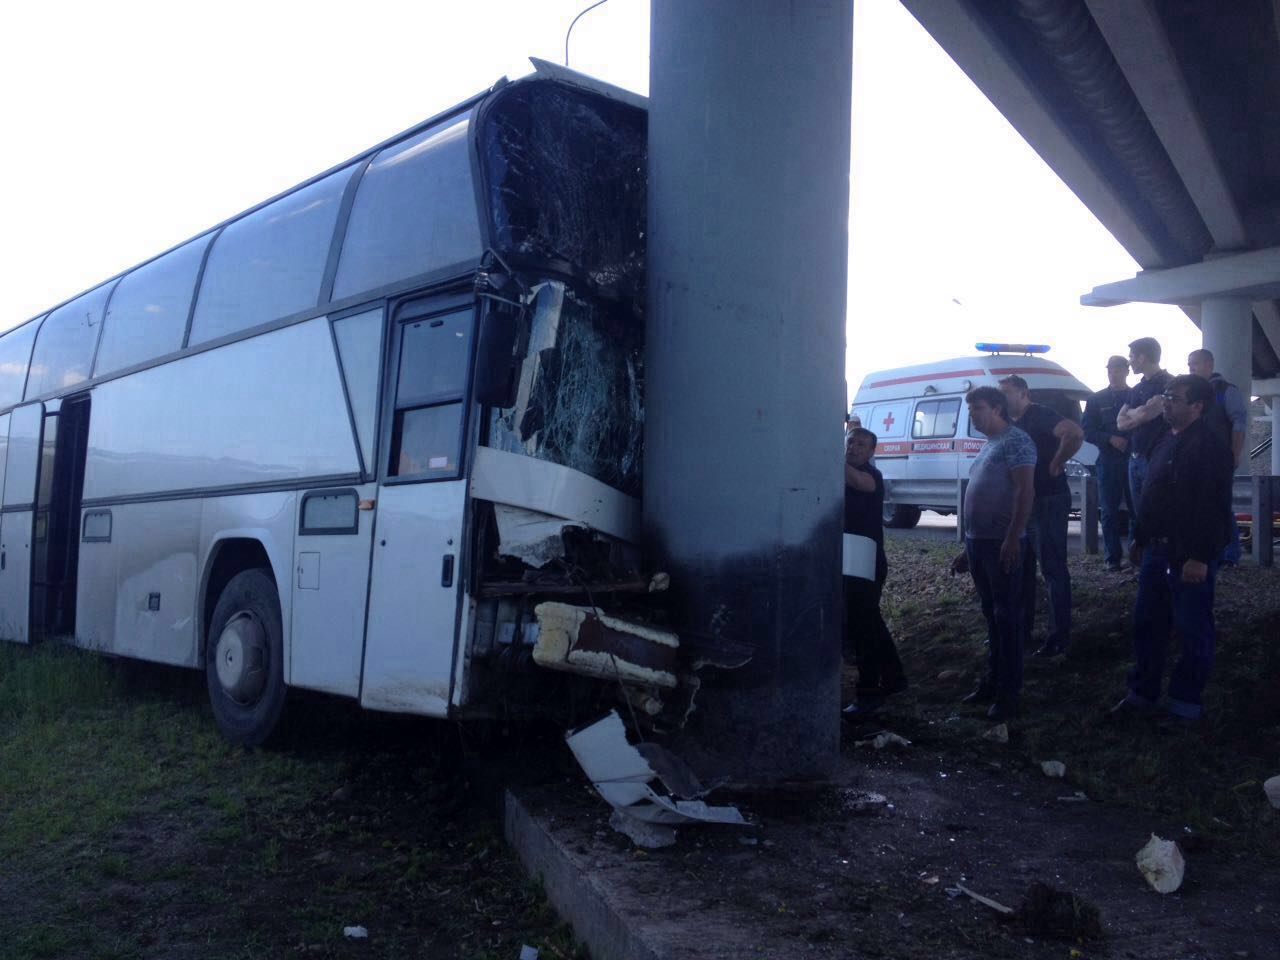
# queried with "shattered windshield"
point(579, 399)
point(564, 183)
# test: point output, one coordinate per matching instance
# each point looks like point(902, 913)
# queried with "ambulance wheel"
point(901, 516)
point(244, 659)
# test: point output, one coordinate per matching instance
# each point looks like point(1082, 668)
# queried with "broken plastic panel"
point(621, 773)
point(579, 401)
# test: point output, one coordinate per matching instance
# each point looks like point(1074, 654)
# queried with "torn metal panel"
point(529, 536)
point(622, 774)
point(578, 400)
point(583, 640)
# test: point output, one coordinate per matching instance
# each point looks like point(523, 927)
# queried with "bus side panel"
point(149, 573)
point(266, 518)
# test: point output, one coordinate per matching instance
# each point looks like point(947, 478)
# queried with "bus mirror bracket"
point(496, 353)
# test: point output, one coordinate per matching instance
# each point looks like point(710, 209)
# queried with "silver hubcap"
point(241, 657)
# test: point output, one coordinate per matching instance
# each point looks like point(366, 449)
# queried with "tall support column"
point(1226, 325)
point(747, 258)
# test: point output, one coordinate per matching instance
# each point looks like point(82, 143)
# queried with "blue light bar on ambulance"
point(1027, 348)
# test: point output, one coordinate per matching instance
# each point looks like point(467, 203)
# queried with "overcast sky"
point(135, 125)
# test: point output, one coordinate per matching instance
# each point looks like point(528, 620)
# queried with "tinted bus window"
point(269, 264)
point(360, 347)
point(147, 316)
point(64, 346)
point(414, 212)
point(15, 356)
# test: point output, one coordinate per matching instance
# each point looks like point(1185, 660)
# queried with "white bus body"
point(356, 438)
point(925, 441)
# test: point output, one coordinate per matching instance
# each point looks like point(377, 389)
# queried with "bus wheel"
point(244, 659)
point(901, 516)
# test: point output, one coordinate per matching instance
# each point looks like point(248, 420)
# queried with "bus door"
point(415, 591)
point(55, 545)
point(21, 462)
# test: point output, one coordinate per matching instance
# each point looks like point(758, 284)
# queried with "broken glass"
point(579, 400)
point(564, 176)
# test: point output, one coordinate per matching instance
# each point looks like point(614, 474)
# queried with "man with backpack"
point(1229, 418)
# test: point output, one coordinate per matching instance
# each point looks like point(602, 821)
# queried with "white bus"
point(348, 440)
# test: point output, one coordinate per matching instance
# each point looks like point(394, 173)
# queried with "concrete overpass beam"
point(747, 254)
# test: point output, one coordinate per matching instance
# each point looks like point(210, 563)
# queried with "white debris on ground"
point(997, 734)
point(1054, 768)
point(1161, 863)
point(528, 953)
point(651, 836)
point(621, 773)
point(1272, 788)
point(355, 933)
point(884, 738)
point(862, 801)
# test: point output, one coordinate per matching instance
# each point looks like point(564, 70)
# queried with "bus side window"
point(426, 436)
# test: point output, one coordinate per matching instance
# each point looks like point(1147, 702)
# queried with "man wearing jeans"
point(997, 505)
point(1141, 415)
point(1056, 438)
point(1181, 529)
point(1113, 456)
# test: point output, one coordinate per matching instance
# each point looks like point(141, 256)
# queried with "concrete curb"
point(569, 884)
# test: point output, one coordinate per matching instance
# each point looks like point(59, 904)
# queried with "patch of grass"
point(1191, 777)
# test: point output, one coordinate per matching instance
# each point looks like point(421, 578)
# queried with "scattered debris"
point(1161, 863)
point(1054, 768)
point(528, 953)
point(355, 933)
point(651, 836)
point(1077, 797)
point(748, 841)
point(946, 675)
point(997, 734)
point(930, 880)
point(659, 582)
point(1048, 912)
point(1272, 787)
point(621, 774)
point(862, 801)
point(533, 538)
point(999, 908)
point(883, 739)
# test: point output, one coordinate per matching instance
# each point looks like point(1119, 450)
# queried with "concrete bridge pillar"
point(745, 394)
point(1226, 326)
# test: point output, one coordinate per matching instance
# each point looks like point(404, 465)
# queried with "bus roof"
point(960, 374)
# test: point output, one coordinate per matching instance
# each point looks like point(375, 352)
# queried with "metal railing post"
point(961, 486)
point(1264, 504)
point(1089, 514)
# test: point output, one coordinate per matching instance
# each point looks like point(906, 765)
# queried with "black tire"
point(901, 516)
point(248, 709)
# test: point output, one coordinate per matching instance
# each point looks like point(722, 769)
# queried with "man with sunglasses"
point(1180, 532)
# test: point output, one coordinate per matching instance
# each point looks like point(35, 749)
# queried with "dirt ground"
point(129, 830)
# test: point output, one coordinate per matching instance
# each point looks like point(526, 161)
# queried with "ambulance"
point(926, 443)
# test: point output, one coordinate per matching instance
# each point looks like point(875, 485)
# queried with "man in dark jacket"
point(1113, 455)
point(867, 638)
point(1180, 533)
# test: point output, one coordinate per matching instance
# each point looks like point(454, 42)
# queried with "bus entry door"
point(23, 458)
point(414, 596)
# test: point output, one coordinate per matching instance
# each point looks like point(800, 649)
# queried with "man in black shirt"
point(1142, 414)
point(1180, 532)
point(1113, 455)
point(867, 639)
point(1056, 439)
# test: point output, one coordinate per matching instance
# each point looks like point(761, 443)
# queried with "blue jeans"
point(1047, 535)
point(1167, 605)
point(1001, 596)
point(1113, 477)
point(1137, 477)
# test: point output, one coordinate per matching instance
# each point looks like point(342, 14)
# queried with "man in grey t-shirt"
point(997, 505)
